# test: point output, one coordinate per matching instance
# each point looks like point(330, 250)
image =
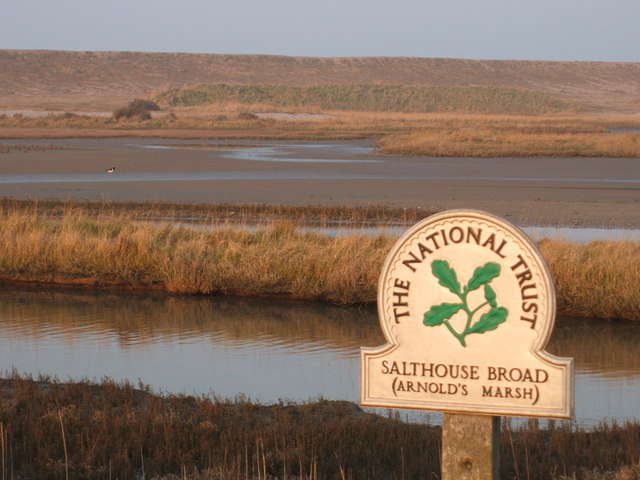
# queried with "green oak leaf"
point(490, 320)
point(440, 313)
point(447, 275)
point(483, 275)
point(490, 295)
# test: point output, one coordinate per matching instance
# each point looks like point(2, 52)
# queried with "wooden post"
point(470, 447)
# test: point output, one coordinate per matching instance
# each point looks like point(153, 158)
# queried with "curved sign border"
point(373, 373)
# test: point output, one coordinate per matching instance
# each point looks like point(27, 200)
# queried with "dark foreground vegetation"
point(52, 430)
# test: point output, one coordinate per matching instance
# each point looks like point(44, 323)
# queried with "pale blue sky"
point(598, 30)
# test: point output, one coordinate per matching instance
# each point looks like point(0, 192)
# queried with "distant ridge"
point(104, 80)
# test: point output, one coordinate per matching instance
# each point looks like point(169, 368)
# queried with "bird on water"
point(110, 170)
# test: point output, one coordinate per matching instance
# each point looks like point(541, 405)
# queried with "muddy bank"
point(530, 191)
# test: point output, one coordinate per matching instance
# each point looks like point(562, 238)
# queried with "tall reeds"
point(597, 279)
point(278, 260)
point(431, 134)
point(490, 143)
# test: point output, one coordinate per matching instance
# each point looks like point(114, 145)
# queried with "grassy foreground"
point(52, 430)
point(83, 248)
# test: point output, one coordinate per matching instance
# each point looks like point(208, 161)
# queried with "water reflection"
point(266, 350)
point(287, 154)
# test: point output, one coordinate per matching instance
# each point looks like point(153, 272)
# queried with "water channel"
point(263, 350)
point(533, 191)
point(299, 351)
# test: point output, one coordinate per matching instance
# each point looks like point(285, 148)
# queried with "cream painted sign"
point(467, 305)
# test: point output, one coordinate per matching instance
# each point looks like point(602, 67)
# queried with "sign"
point(467, 305)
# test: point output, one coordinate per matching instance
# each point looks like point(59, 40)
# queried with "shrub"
point(137, 108)
point(247, 116)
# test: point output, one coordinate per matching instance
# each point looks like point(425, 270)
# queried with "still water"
point(264, 350)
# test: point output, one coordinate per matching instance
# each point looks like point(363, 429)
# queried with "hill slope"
point(62, 79)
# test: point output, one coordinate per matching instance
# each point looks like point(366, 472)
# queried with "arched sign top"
point(467, 305)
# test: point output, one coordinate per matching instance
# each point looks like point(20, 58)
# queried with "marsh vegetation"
point(53, 430)
point(110, 430)
point(427, 134)
point(370, 98)
point(86, 247)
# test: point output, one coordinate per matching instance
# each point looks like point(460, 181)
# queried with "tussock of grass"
point(117, 431)
point(598, 279)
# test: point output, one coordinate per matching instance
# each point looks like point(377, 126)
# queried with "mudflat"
point(529, 191)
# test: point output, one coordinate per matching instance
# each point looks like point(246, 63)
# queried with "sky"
point(587, 30)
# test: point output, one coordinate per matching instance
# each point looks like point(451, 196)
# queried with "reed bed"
point(250, 213)
point(492, 143)
point(599, 279)
point(277, 259)
point(432, 134)
point(53, 430)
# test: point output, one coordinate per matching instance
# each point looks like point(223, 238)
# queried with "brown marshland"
point(432, 107)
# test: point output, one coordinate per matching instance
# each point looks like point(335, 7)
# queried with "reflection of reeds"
point(112, 430)
point(597, 279)
point(609, 348)
point(149, 317)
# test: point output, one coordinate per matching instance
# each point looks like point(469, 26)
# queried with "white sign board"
point(467, 305)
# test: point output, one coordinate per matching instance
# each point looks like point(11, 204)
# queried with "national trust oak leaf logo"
point(482, 277)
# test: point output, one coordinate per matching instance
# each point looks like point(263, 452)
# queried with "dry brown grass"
point(600, 279)
point(247, 215)
point(118, 252)
point(490, 143)
point(400, 133)
point(505, 136)
point(77, 248)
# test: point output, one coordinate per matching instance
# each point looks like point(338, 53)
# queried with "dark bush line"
point(114, 430)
